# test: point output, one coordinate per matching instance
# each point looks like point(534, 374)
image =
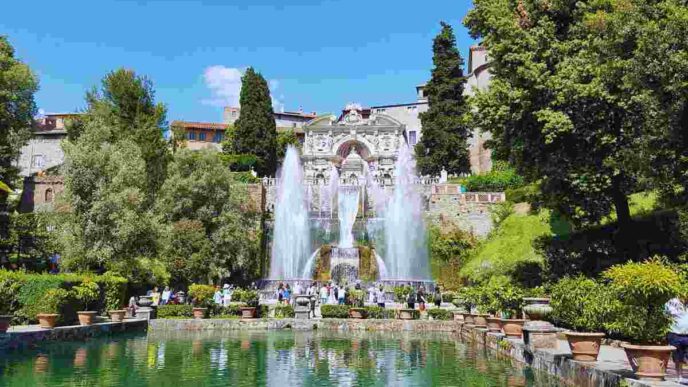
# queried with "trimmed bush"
point(440, 314)
point(284, 311)
point(168, 311)
point(334, 311)
point(580, 303)
point(641, 290)
point(493, 181)
point(378, 312)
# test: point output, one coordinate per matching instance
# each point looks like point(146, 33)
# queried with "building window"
point(410, 108)
point(201, 136)
point(381, 110)
point(49, 195)
point(192, 135)
point(38, 161)
point(217, 137)
point(412, 137)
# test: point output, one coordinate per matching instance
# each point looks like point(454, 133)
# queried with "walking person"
point(411, 299)
point(323, 295)
point(217, 297)
point(341, 296)
point(678, 334)
point(226, 295)
point(165, 296)
point(421, 298)
point(380, 297)
point(287, 294)
point(438, 297)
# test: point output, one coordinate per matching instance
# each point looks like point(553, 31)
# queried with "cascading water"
point(291, 236)
point(346, 212)
point(406, 250)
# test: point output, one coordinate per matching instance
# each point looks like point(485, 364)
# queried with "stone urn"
point(585, 346)
point(537, 309)
point(513, 328)
point(248, 312)
point(5, 321)
point(494, 324)
point(145, 301)
point(199, 313)
point(117, 315)
point(358, 313)
point(480, 320)
point(649, 362)
point(47, 320)
point(407, 314)
point(87, 318)
point(302, 307)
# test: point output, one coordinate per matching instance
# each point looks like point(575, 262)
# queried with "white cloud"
point(224, 84)
point(225, 87)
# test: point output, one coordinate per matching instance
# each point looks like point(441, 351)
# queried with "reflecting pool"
point(273, 358)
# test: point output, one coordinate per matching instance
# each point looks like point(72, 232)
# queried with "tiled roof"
point(199, 125)
point(296, 114)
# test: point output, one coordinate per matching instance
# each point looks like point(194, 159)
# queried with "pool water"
point(266, 358)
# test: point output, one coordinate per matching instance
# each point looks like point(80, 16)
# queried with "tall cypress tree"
point(444, 143)
point(255, 131)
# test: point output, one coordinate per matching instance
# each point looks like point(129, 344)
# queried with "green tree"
point(444, 143)
point(285, 138)
point(559, 104)
point(210, 232)
point(17, 108)
point(255, 131)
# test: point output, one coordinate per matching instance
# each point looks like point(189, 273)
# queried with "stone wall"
point(40, 193)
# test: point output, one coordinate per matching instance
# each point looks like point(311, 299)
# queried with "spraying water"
point(346, 212)
point(291, 241)
point(406, 251)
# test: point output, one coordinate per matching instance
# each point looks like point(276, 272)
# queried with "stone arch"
point(343, 147)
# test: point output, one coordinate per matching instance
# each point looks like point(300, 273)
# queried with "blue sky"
point(318, 55)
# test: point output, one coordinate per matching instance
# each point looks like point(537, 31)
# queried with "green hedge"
point(23, 294)
point(284, 311)
point(378, 312)
point(497, 180)
point(334, 311)
point(168, 311)
point(440, 314)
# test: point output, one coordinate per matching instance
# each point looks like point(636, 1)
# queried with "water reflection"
point(266, 358)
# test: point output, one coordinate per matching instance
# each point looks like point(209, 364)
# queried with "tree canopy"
point(255, 131)
point(444, 143)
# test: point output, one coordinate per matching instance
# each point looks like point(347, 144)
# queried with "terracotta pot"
point(649, 362)
point(47, 320)
point(199, 313)
point(537, 308)
point(480, 320)
point(358, 313)
point(585, 346)
point(513, 328)
point(458, 316)
point(406, 314)
point(248, 312)
point(467, 318)
point(494, 324)
point(117, 315)
point(5, 321)
point(87, 318)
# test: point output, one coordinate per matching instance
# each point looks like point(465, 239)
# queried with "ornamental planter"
point(585, 346)
point(480, 320)
point(358, 313)
point(513, 328)
point(86, 318)
point(649, 362)
point(494, 324)
point(536, 309)
point(248, 312)
point(47, 320)
point(199, 313)
point(5, 321)
point(117, 315)
point(406, 314)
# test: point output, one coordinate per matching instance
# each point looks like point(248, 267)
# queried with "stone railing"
point(271, 181)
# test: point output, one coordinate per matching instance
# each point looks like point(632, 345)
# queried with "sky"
point(316, 55)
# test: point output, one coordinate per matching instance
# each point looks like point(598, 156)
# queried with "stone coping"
point(29, 335)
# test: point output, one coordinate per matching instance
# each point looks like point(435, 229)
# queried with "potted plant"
point(641, 290)
point(408, 314)
point(85, 295)
point(202, 297)
point(581, 304)
point(251, 299)
point(117, 315)
point(513, 327)
point(49, 306)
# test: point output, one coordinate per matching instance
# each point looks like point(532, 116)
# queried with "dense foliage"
point(440, 314)
point(334, 311)
point(255, 131)
point(496, 180)
point(202, 295)
point(172, 311)
point(284, 311)
point(449, 248)
point(580, 303)
point(444, 143)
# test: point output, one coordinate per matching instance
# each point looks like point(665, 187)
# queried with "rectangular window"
point(217, 137)
point(412, 137)
point(192, 135)
point(38, 161)
point(201, 136)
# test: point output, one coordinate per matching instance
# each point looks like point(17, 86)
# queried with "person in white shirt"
point(323, 295)
point(678, 334)
point(298, 289)
point(165, 296)
point(341, 295)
